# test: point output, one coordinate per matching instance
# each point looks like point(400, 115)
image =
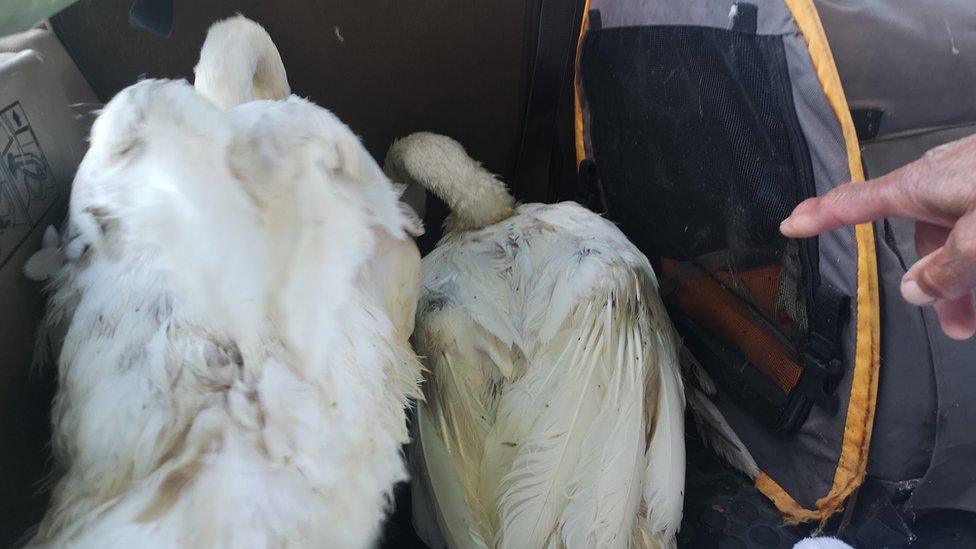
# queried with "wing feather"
point(532, 493)
point(718, 435)
point(605, 493)
point(664, 477)
point(571, 358)
point(585, 453)
point(461, 390)
point(714, 430)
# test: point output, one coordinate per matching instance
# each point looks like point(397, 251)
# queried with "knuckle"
point(836, 200)
point(937, 154)
point(907, 185)
point(849, 203)
point(965, 248)
point(931, 283)
point(937, 276)
point(914, 175)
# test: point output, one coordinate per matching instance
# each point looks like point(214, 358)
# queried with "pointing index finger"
point(892, 195)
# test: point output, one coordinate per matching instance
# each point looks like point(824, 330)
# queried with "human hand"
point(938, 191)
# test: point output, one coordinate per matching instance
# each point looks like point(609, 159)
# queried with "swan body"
point(554, 373)
point(235, 371)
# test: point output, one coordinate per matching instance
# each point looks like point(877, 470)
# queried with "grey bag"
point(702, 124)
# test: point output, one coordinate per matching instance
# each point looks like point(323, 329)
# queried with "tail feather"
point(718, 435)
point(714, 430)
point(438, 163)
point(692, 370)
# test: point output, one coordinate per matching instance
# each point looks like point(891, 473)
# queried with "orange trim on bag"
point(786, 504)
point(852, 465)
point(577, 90)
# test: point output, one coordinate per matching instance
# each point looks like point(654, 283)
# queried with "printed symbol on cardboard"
point(27, 189)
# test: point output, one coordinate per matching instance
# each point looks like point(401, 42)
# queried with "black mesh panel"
point(701, 157)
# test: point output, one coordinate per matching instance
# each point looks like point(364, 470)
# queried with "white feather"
point(554, 375)
point(607, 486)
point(664, 475)
point(534, 491)
point(715, 431)
point(718, 435)
point(694, 372)
point(821, 543)
point(233, 374)
point(46, 262)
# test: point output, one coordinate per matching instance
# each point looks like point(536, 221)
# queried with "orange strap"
point(721, 313)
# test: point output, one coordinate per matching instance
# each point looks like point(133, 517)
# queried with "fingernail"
point(786, 226)
point(913, 294)
point(959, 333)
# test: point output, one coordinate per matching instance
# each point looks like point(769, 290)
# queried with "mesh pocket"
point(701, 156)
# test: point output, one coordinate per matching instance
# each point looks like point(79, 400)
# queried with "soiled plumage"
point(554, 372)
point(236, 370)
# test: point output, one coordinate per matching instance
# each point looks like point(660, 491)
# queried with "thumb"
point(947, 273)
point(957, 316)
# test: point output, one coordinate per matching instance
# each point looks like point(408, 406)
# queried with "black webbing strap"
point(555, 44)
point(823, 350)
point(822, 358)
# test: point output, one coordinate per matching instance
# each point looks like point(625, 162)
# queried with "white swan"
point(235, 372)
point(554, 376)
point(240, 63)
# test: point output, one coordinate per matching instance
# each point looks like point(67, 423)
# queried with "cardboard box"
point(45, 114)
